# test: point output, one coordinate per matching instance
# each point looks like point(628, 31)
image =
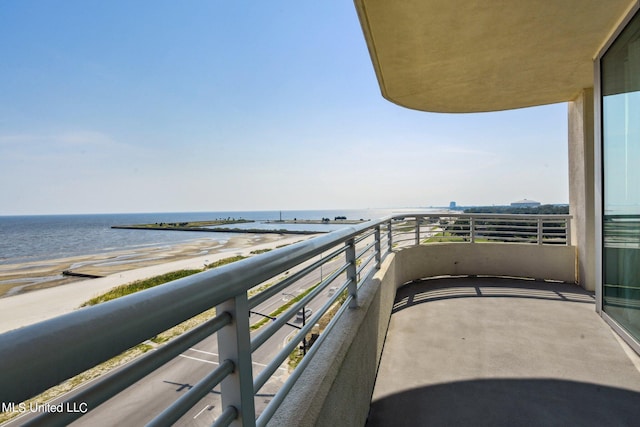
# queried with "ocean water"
point(41, 237)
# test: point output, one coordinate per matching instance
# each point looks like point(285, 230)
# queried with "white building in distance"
point(525, 203)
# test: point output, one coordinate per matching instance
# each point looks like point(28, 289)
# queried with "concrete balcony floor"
point(502, 352)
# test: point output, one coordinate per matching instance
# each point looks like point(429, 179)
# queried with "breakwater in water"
point(219, 229)
point(39, 237)
point(305, 226)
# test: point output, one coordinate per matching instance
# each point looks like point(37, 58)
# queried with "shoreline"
point(46, 300)
point(19, 278)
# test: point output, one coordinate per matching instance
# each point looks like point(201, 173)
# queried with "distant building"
point(452, 205)
point(524, 203)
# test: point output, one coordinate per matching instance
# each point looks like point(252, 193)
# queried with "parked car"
point(307, 314)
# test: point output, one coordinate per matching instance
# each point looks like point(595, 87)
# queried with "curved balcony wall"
point(491, 259)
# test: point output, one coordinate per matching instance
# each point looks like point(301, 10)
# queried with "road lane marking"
point(264, 366)
point(208, 407)
point(199, 360)
point(215, 354)
point(202, 351)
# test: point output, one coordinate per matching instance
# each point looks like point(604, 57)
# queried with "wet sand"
point(20, 278)
point(35, 291)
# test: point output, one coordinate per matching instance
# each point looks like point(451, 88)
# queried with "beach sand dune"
point(27, 298)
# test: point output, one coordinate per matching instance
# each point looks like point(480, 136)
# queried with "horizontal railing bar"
point(272, 366)
point(404, 237)
point(507, 232)
point(508, 238)
point(396, 240)
point(127, 375)
point(446, 216)
point(364, 278)
point(281, 320)
point(225, 419)
point(203, 387)
point(365, 263)
point(365, 249)
point(268, 412)
point(275, 289)
point(364, 236)
point(505, 227)
point(123, 323)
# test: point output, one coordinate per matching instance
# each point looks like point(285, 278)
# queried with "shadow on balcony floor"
point(487, 351)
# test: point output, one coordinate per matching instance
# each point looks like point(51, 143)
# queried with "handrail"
point(539, 229)
point(80, 340)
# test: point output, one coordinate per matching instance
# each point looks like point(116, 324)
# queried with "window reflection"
point(621, 178)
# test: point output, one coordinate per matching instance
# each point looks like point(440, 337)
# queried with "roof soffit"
point(461, 56)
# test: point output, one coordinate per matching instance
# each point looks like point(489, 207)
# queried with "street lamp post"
point(304, 321)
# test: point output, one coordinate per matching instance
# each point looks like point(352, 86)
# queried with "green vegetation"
point(139, 285)
point(193, 225)
point(259, 251)
point(286, 244)
point(504, 230)
point(225, 261)
point(258, 289)
point(540, 210)
point(452, 237)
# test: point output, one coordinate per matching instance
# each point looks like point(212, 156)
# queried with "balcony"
point(475, 332)
point(496, 351)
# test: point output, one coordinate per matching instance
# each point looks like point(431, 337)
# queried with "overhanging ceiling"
point(471, 56)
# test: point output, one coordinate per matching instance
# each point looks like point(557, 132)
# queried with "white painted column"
point(582, 186)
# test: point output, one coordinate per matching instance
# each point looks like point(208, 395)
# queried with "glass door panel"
point(620, 71)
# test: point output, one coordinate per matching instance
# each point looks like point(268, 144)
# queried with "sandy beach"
point(27, 298)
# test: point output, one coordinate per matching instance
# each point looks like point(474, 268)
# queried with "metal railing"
point(621, 231)
point(37, 357)
point(472, 228)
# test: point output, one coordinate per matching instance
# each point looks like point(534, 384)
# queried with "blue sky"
point(150, 106)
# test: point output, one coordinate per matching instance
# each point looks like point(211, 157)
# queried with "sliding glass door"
point(620, 86)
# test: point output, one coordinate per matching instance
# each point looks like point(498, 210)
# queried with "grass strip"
point(225, 261)
point(259, 251)
point(139, 285)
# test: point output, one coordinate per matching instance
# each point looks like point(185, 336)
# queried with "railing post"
point(351, 272)
point(567, 231)
point(234, 343)
point(390, 236)
point(539, 231)
point(417, 231)
point(472, 229)
point(377, 247)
